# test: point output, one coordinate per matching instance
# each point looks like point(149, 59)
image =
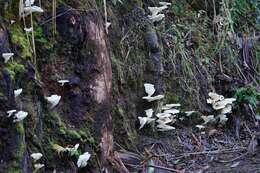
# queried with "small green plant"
point(247, 95)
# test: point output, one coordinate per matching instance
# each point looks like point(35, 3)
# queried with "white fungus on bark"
point(19, 116)
point(164, 127)
point(18, 92)
point(36, 156)
point(7, 56)
point(150, 90)
point(53, 100)
point(62, 82)
point(83, 160)
point(145, 120)
point(10, 112)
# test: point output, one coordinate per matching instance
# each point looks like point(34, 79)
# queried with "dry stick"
point(165, 168)
point(216, 151)
point(33, 41)
point(54, 4)
point(105, 11)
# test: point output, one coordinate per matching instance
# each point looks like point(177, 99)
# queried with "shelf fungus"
point(189, 113)
point(164, 127)
point(150, 90)
point(169, 106)
point(200, 127)
point(19, 116)
point(10, 112)
point(165, 3)
point(145, 120)
point(53, 100)
point(172, 111)
point(208, 119)
point(18, 92)
point(149, 113)
point(214, 97)
point(7, 56)
point(222, 118)
point(62, 82)
point(36, 156)
point(38, 166)
point(83, 160)
point(156, 18)
point(156, 10)
point(28, 3)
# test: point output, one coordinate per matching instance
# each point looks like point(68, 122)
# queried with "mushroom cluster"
point(36, 157)
point(164, 118)
point(155, 12)
point(222, 105)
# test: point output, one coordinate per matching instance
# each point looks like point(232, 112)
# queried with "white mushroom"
point(38, 166)
point(18, 92)
point(222, 118)
point(172, 111)
point(150, 90)
point(83, 160)
point(169, 106)
point(164, 127)
point(216, 97)
point(200, 127)
point(12, 22)
point(28, 3)
point(163, 115)
point(28, 29)
point(54, 100)
point(227, 109)
point(164, 120)
point(165, 3)
point(36, 156)
point(156, 18)
point(62, 82)
point(7, 56)
point(10, 112)
point(149, 113)
point(208, 119)
point(156, 10)
point(33, 9)
point(19, 116)
point(145, 120)
point(222, 104)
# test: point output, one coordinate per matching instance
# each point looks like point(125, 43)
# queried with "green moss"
point(13, 68)
point(18, 38)
point(14, 170)
point(73, 134)
point(171, 97)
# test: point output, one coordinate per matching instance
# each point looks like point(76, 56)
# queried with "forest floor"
point(212, 150)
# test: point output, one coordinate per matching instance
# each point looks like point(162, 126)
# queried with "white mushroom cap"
point(172, 111)
point(208, 119)
point(165, 3)
point(149, 113)
point(164, 127)
point(156, 18)
point(149, 89)
point(10, 112)
point(28, 29)
point(156, 10)
point(18, 92)
point(62, 82)
point(7, 56)
point(38, 166)
point(54, 100)
point(169, 106)
point(19, 116)
point(145, 120)
point(153, 98)
point(227, 109)
point(36, 156)
point(83, 160)
point(28, 3)
point(200, 127)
